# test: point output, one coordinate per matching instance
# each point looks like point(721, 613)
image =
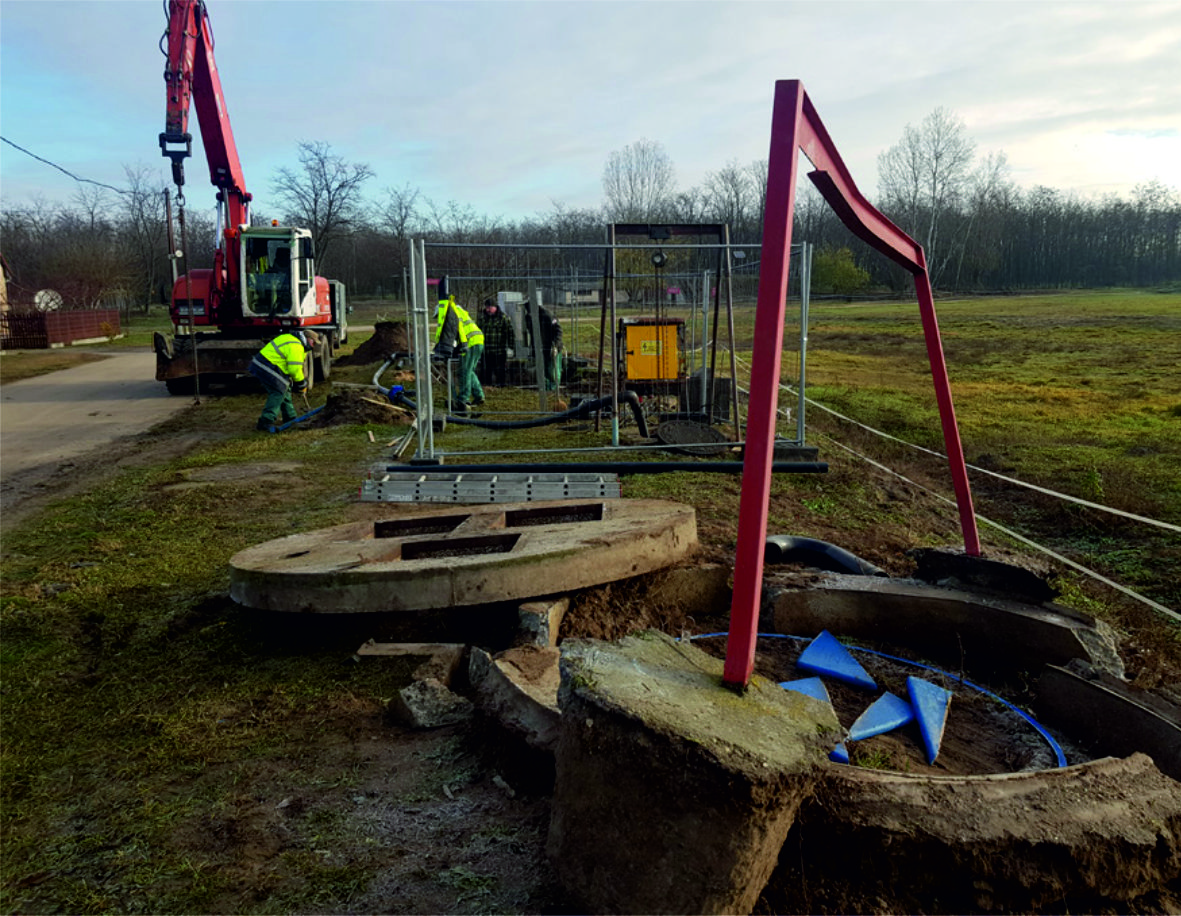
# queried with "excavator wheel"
point(323, 362)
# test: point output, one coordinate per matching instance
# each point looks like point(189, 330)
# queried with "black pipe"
point(786, 548)
point(579, 410)
point(619, 467)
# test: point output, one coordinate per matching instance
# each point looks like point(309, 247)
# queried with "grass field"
point(151, 726)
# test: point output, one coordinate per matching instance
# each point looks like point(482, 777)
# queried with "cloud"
point(511, 105)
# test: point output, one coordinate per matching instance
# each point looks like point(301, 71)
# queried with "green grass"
point(23, 364)
point(1074, 392)
point(128, 674)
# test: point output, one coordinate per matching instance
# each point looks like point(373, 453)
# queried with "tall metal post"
point(730, 318)
point(805, 298)
point(764, 386)
point(538, 344)
point(420, 325)
point(611, 330)
point(706, 407)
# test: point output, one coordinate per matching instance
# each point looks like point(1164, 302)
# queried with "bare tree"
point(729, 193)
point(398, 214)
point(990, 194)
point(324, 195)
point(145, 233)
point(453, 220)
point(757, 171)
point(639, 182)
point(690, 206)
point(568, 226)
point(925, 176)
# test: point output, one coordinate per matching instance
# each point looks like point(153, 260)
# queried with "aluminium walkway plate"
point(450, 487)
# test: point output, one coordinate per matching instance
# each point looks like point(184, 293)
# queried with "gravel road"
point(49, 422)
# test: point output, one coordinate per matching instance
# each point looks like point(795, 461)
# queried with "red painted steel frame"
point(795, 125)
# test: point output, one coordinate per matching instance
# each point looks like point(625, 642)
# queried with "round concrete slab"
point(463, 556)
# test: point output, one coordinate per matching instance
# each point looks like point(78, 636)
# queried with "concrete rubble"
point(1108, 829)
point(519, 689)
point(951, 626)
point(428, 702)
point(673, 794)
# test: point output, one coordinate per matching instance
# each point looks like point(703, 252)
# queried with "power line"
point(65, 171)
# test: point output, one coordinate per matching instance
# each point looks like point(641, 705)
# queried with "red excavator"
point(263, 281)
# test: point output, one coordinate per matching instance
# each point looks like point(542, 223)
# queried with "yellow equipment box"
point(652, 348)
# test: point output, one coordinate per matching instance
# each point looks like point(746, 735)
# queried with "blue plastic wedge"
point(809, 687)
point(930, 702)
point(839, 754)
point(825, 655)
point(885, 714)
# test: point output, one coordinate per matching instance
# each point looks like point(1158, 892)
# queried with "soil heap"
point(389, 337)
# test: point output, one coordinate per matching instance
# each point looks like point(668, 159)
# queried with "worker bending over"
point(280, 367)
point(457, 330)
point(551, 343)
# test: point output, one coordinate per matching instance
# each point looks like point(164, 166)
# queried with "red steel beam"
point(795, 126)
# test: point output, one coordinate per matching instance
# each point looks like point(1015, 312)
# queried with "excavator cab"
point(278, 271)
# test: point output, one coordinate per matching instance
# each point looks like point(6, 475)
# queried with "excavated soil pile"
point(388, 337)
point(360, 406)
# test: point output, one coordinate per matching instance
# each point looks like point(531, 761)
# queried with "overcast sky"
point(513, 106)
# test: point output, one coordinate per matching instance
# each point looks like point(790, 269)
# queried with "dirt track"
point(50, 422)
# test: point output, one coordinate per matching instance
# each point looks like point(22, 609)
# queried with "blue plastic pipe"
point(299, 419)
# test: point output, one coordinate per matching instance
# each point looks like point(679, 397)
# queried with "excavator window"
point(268, 276)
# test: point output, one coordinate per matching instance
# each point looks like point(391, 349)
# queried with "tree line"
point(980, 231)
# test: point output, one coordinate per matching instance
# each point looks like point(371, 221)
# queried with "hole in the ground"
point(553, 515)
point(459, 547)
point(409, 527)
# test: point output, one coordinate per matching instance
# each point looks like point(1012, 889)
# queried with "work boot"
point(264, 425)
point(459, 409)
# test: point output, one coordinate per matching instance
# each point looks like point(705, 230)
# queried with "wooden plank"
point(408, 648)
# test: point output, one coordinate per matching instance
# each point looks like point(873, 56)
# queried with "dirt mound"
point(388, 337)
point(360, 406)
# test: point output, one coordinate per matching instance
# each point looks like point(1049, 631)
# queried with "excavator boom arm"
point(191, 77)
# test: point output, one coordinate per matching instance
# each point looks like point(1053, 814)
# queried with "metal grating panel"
point(442, 487)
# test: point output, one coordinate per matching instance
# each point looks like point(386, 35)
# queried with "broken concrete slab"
point(1046, 841)
point(428, 704)
point(1117, 718)
point(541, 621)
point(519, 689)
point(441, 660)
point(673, 794)
point(963, 630)
point(452, 557)
point(1022, 578)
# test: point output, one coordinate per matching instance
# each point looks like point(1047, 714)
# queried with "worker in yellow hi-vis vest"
point(458, 330)
point(280, 367)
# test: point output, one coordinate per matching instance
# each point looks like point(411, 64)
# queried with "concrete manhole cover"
point(463, 556)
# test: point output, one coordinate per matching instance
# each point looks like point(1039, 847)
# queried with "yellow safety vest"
point(469, 332)
point(287, 355)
